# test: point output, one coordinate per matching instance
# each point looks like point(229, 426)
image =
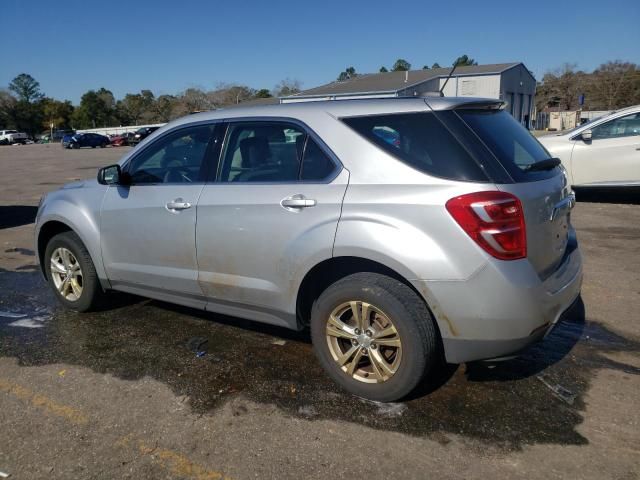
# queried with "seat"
point(255, 152)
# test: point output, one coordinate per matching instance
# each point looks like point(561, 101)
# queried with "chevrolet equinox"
point(397, 230)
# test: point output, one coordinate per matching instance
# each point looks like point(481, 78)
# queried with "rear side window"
point(513, 146)
point(421, 141)
point(272, 152)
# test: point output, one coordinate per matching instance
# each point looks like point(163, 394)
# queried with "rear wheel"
point(71, 273)
point(374, 335)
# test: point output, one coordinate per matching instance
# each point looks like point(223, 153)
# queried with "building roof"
point(391, 82)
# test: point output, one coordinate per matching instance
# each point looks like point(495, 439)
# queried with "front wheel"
point(374, 336)
point(71, 273)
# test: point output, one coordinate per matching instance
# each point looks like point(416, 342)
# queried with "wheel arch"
point(54, 226)
point(330, 270)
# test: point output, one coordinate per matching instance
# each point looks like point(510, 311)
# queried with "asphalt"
point(146, 389)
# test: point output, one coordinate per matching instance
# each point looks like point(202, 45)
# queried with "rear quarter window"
point(421, 141)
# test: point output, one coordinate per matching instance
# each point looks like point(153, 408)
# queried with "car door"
point(270, 215)
point(612, 155)
point(148, 227)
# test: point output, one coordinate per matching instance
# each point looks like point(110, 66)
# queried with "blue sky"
point(167, 46)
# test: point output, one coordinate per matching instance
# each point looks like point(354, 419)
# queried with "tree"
point(132, 107)
point(616, 84)
point(230, 94)
point(426, 67)
point(401, 65)
point(383, 69)
point(349, 73)
point(192, 100)
point(463, 61)
point(26, 88)
point(287, 87)
point(163, 108)
point(56, 113)
point(436, 65)
point(96, 109)
point(7, 109)
point(263, 93)
point(561, 88)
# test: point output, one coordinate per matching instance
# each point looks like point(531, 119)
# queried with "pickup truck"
point(9, 137)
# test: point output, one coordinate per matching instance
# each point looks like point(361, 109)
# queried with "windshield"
point(570, 131)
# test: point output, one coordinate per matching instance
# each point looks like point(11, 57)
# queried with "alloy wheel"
point(66, 274)
point(364, 342)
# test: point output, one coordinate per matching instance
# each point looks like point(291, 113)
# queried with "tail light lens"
point(495, 221)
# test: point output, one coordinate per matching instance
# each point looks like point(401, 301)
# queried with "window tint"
point(420, 140)
point(512, 144)
point(626, 126)
point(175, 158)
point(262, 152)
point(316, 165)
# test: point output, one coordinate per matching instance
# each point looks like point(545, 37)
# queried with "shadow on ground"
point(609, 195)
point(537, 398)
point(17, 215)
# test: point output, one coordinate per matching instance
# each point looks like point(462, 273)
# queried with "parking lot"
point(152, 390)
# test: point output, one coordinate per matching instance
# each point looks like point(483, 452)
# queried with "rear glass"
point(421, 141)
point(513, 145)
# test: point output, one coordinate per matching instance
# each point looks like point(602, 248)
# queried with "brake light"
point(495, 221)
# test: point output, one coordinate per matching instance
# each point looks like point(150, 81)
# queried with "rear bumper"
point(503, 308)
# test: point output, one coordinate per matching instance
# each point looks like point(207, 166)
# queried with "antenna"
point(445, 82)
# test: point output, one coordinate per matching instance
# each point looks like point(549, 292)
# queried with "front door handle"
point(177, 205)
point(296, 202)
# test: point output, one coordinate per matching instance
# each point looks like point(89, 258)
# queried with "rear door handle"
point(177, 205)
point(298, 201)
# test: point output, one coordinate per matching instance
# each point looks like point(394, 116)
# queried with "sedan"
point(602, 153)
point(78, 140)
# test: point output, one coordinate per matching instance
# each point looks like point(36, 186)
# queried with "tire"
point(92, 295)
point(391, 300)
point(75, 146)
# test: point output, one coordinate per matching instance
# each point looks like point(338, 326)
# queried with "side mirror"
point(586, 135)
point(110, 175)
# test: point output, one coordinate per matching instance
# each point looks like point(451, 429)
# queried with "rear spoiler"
point(483, 105)
point(449, 103)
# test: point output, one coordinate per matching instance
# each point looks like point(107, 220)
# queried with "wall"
point(118, 130)
point(487, 86)
point(518, 89)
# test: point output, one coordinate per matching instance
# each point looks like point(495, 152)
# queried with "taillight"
point(495, 221)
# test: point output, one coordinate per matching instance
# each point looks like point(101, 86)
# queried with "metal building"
point(511, 82)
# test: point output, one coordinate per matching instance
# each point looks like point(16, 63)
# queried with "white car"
point(602, 153)
point(9, 137)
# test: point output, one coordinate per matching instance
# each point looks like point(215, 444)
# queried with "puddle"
point(536, 398)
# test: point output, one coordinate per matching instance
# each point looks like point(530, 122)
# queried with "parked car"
point(78, 140)
point(141, 134)
point(9, 137)
point(58, 135)
point(455, 239)
point(602, 153)
point(119, 140)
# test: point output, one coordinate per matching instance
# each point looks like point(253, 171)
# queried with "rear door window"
point(272, 152)
point(422, 141)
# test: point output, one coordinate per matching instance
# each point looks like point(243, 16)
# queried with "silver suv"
point(398, 230)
